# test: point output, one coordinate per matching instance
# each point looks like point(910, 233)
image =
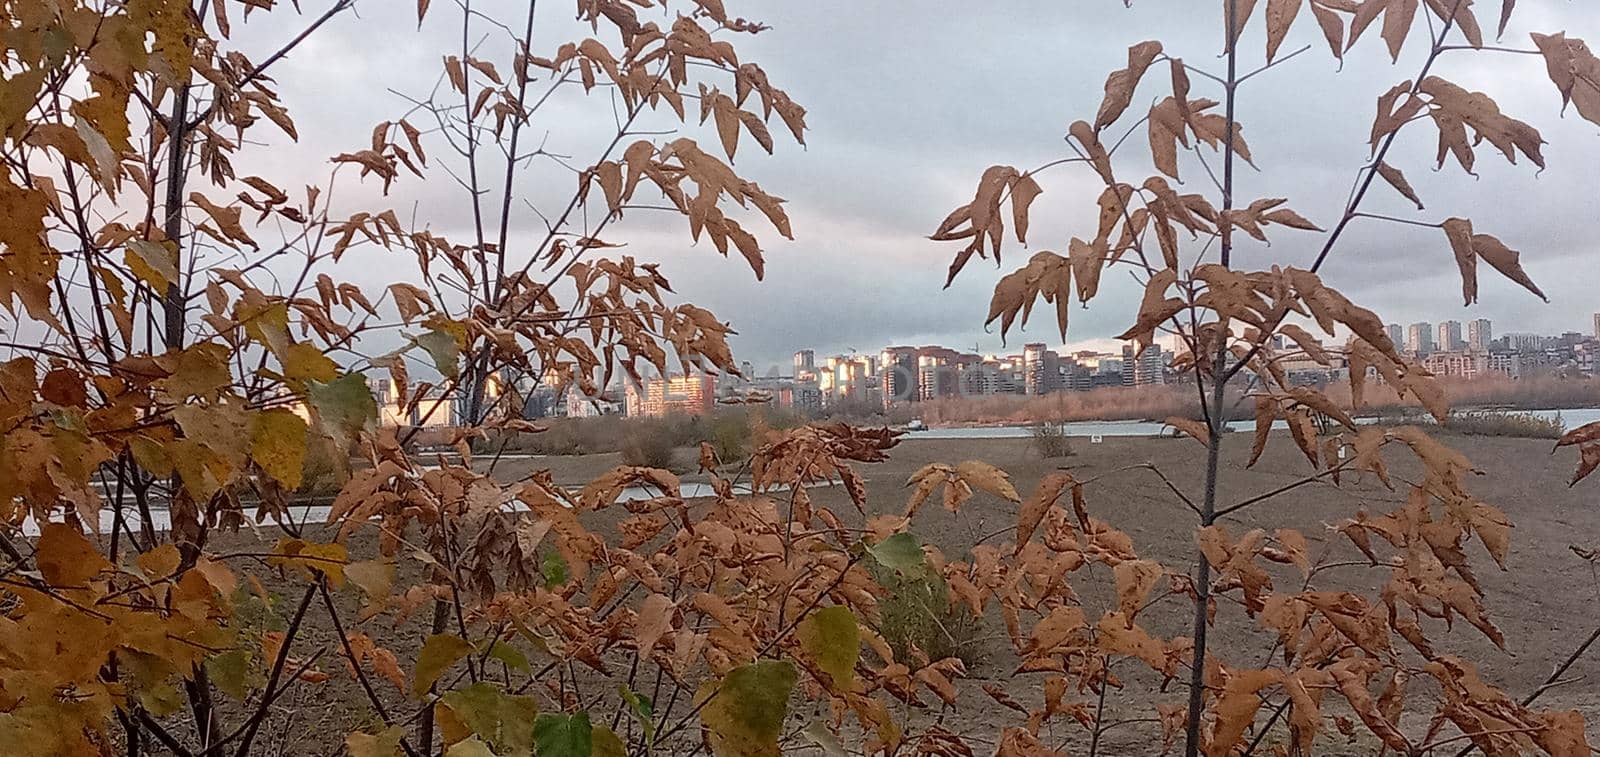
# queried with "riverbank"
point(1570, 417)
point(1543, 601)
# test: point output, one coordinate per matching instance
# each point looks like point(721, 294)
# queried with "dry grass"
point(1157, 402)
point(1499, 423)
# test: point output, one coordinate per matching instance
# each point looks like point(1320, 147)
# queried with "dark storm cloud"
point(909, 101)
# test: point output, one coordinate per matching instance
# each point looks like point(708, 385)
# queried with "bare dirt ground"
point(1546, 602)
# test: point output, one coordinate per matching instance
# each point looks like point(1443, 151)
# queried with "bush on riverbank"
point(1496, 423)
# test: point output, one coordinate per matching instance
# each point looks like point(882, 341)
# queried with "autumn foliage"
point(186, 350)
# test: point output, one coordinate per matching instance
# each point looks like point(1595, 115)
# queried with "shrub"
point(650, 450)
point(1499, 423)
point(917, 614)
point(730, 436)
point(1049, 440)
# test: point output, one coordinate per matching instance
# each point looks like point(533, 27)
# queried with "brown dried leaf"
point(1589, 432)
point(988, 478)
point(1121, 83)
point(1505, 260)
point(1241, 11)
point(1397, 24)
point(1034, 508)
point(1191, 428)
point(1332, 28)
point(1459, 232)
point(1280, 17)
point(1023, 191)
point(1155, 309)
point(1588, 461)
point(1266, 414)
point(1135, 579)
point(1397, 180)
point(654, 621)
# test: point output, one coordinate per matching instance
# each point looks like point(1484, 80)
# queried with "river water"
point(1571, 418)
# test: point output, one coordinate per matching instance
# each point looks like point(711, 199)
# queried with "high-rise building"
point(694, 394)
point(1397, 334)
point(1143, 368)
point(1479, 335)
point(1597, 325)
point(1450, 336)
point(899, 382)
point(805, 361)
point(1525, 342)
point(1041, 369)
point(1419, 338)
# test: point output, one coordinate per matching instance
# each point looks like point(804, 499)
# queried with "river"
point(1571, 418)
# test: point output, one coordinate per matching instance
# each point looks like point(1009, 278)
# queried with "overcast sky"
point(909, 102)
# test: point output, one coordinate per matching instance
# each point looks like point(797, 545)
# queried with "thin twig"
point(268, 695)
point(1318, 476)
point(1381, 217)
point(355, 664)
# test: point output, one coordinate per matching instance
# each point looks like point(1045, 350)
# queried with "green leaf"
point(438, 653)
point(383, 744)
point(230, 671)
point(161, 699)
point(344, 406)
point(643, 710)
point(554, 569)
point(901, 553)
point(503, 721)
point(278, 445)
point(746, 711)
point(511, 656)
point(563, 735)
point(443, 349)
point(832, 638)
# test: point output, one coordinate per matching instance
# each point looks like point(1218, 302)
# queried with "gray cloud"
point(909, 101)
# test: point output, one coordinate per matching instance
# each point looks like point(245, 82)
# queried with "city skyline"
point(897, 375)
point(1398, 332)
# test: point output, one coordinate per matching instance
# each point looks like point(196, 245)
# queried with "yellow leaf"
point(278, 445)
point(744, 712)
point(831, 638)
point(154, 262)
point(438, 654)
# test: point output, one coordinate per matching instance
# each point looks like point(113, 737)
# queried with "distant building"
point(843, 377)
point(1041, 369)
point(899, 379)
point(1146, 368)
point(1450, 337)
point(1524, 342)
point(1419, 338)
point(428, 410)
point(1397, 334)
point(1597, 325)
point(689, 395)
point(1471, 365)
point(580, 405)
point(1480, 334)
point(805, 362)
